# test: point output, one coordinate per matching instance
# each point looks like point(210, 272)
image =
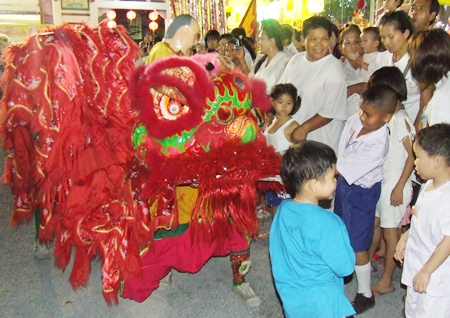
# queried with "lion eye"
point(174, 108)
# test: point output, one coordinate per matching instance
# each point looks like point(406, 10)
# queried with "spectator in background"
point(273, 60)
point(201, 47)
point(250, 54)
point(334, 49)
point(212, 40)
point(298, 41)
point(423, 14)
point(289, 47)
point(389, 6)
point(320, 82)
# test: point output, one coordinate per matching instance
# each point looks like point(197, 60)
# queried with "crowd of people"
point(354, 112)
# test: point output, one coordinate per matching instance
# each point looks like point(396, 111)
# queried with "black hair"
point(298, 35)
point(211, 35)
point(239, 33)
point(316, 22)
point(288, 32)
point(274, 31)
point(430, 55)
point(380, 96)
point(400, 20)
point(336, 52)
point(289, 89)
point(434, 7)
point(227, 36)
point(435, 140)
point(376, 35)
point(305, 161)
point(392, 76)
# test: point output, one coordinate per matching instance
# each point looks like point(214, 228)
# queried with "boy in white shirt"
point(362, 151)
point(425, 247)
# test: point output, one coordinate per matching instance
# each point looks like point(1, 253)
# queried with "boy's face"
point(420, 14)
point(317, 44)
point(372, 118)
point(423, 163)
point(325, 188)
point(368, 42)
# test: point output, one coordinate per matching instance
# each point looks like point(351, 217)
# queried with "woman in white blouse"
point(272, 61)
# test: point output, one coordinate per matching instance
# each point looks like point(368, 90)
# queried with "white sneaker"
point(246, 292)
point(166, 282)
point(41, 251)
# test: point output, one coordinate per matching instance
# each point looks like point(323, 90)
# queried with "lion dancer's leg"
point(240, 265)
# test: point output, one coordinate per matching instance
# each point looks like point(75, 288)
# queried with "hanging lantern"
point(153, 26)
point(111, 24)
point(111, 14)
point(153, 15)
point(131, 15)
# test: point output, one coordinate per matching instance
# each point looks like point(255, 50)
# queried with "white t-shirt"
point(271, 73)
point(369, 58)
point(290, 50)
point(397, 154)
point(360, 159)
point(322, 87)
point(438, 108)
point(429, 225)
point(352, 77)
point(412, 103)
point(278, 139)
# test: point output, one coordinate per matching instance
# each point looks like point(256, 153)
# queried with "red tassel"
point(81, 269)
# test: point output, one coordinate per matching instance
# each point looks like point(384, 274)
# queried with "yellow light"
point(315, 6)
point(153, 26)
point(111, 24)
point(153, 15)
point(111, 14)
point(131, 15)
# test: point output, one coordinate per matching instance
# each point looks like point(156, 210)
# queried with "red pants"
point(179, 253)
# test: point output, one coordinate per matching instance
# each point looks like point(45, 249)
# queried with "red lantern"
point(361, 4)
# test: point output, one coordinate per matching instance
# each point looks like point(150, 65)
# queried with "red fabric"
point(180, 253)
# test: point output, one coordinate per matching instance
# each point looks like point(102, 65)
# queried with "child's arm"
point(440, 254)
point(315, 122)
point(397, 192)
point(400, 248)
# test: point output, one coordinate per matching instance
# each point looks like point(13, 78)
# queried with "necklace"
point(446, 181)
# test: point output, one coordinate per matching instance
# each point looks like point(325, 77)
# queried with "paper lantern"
point(153, 26)
point(131, 15)
point(153, 15)
point(361, 4)
point(111, 24)
point(111, 14)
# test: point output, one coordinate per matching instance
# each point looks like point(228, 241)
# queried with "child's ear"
point(387, 117)
point(437, 161)
point(312, 184)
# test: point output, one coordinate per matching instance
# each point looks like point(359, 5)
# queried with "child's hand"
point(420, 282)
point(396, 196)
point(400, 248)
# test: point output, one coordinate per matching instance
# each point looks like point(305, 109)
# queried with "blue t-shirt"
point(310, 253)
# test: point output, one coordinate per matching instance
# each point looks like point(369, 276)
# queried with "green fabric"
point(160, 234)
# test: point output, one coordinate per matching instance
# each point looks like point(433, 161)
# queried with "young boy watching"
point(362, 151)
point(425, 247)
point(309, 247)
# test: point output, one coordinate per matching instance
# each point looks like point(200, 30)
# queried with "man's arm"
point(315, 122)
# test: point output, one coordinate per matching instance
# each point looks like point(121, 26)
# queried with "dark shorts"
point(356, 206)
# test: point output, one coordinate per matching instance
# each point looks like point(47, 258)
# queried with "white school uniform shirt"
point(369, 58)
point(271, 73)
point(429, 225)
point(397, 154)
point(278, 139)
point(438, 108)
point(412, 103)
point(351, 77)
point(290, 50)
point(360, 159)
point(322, 87)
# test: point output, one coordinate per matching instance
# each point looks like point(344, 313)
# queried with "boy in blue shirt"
point(309, 246)
point(362, 151)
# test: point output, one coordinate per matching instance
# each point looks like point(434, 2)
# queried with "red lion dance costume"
point(141, 167)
